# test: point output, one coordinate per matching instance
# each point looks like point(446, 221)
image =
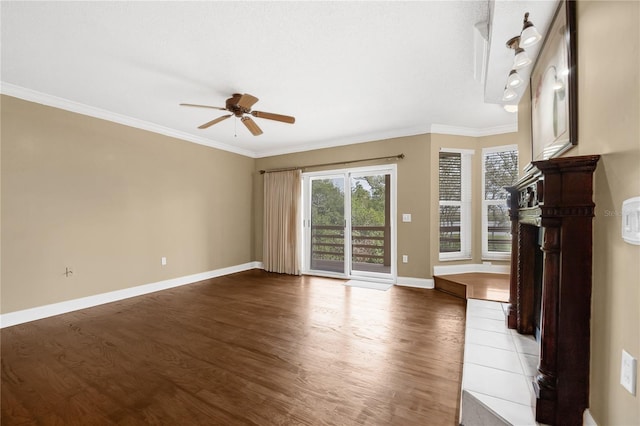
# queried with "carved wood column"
point(545, 382)
point(525, 277)
point(512, 201)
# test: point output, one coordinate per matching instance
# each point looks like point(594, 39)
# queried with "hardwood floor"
point(475, 285)
point(249, 348)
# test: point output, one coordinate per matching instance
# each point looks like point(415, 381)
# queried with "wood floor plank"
point(248, 348)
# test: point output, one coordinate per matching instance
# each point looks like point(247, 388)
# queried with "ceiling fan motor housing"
point(233, 104)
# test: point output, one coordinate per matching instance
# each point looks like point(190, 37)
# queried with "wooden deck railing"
point(370, 244)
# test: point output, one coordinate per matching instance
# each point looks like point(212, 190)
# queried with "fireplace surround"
point(552, 209)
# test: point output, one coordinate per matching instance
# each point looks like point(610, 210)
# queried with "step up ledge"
point(474, 412)
point(450, 287)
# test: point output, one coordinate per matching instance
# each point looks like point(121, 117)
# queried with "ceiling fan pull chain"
point(235, 127)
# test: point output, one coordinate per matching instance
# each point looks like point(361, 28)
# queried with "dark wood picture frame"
point(554, 88)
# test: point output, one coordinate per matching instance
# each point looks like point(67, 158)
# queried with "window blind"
point(455, 204)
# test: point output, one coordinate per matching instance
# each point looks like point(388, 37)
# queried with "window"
point(455, 204)
point(499, 169)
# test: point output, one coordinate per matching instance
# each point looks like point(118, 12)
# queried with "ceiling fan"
point(239, 105)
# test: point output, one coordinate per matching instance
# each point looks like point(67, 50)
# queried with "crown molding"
point(444, 129)
point(393, 134)
point(352, 140)
point(79, 108)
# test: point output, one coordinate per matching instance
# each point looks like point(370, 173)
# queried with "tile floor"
point(499, 365)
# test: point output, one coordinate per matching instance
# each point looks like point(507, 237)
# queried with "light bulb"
point(509, 94)
point(521, 60)
point(514, 80)
point(529, 36)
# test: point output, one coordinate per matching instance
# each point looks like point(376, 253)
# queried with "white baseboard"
point(39, 312)
point(415, 282)
point(587, 419)
point(468, 268)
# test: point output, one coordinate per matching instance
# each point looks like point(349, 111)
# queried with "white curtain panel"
point(281, 222)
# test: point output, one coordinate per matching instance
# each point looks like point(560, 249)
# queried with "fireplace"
point(551, 211)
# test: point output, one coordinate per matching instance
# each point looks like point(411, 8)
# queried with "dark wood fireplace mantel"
point(554, 201)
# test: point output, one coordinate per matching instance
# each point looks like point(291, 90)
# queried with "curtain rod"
point(285, 169)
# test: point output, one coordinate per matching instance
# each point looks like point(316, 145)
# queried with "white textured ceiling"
point(348, 71)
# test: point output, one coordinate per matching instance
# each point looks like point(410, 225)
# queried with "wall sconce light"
point(514, 80)
point(521, 59)
point(509, 94)
point(529, 35)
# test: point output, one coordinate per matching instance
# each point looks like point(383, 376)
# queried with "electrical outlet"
point(405, 258)
point(163, 261)
point(628, 372)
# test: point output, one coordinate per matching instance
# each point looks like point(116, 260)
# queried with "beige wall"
point(413, 192)
point(609, 125)
point(521, 138)
point(417, 187)
point(109, 201)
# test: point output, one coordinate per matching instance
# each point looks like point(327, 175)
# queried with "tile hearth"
point(499, 366)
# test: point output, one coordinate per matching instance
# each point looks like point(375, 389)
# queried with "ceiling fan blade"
point(246, 101)
point(271, 116)
point(204, 106)
point(252, 126)
point(212, 122)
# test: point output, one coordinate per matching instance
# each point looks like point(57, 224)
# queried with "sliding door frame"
point(390, 169)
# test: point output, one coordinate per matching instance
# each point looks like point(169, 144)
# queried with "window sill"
point(452, 259)
point(500, 258)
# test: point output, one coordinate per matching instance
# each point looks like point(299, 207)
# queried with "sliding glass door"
point(349, 227)
point(370, 223)
point(327, 224)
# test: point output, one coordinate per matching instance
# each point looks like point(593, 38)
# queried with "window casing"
point(499, 169)
point(454, 173)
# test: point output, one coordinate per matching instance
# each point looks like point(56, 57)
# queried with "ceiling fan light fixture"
point(511, 108)
point(514, 80)
point(529, 35)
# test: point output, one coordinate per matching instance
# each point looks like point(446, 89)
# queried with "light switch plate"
point(628, 372)
point(631, 220)
point(406, 217)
